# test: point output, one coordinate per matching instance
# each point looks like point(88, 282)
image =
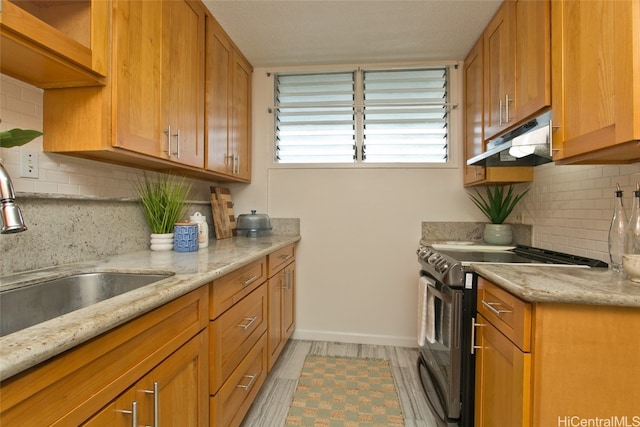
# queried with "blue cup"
point(185, 237)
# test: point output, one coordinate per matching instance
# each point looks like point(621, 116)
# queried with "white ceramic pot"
point(498, 234)
point(162, 242)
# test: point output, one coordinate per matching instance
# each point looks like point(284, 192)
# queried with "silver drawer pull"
point(133, 412)
point(490, 306)
point(285, 257)
point(252, 378)
point(156, 403)
point(250, 321)
point(474, 347)
point(245, 282)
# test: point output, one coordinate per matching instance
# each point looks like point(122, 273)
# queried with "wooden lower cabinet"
point(552, 364)
point(502, 379)
point(281, 284)
point(173, 391)
point(108, 372)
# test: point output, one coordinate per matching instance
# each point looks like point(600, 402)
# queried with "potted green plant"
point(497, 206)
point(163, 203)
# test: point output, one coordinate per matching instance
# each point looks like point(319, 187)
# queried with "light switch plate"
point(29, 167)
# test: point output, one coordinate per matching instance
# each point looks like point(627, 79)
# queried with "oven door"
point(439, 365)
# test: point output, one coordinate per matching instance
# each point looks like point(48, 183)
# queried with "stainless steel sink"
point(37, 303)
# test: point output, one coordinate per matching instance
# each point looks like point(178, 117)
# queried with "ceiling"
point(274, 33)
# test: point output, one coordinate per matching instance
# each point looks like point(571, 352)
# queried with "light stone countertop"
point(24, 349)
point(592, 286)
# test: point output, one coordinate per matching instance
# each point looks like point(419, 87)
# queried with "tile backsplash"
point(570, 207)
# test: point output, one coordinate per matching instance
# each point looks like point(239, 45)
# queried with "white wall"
point(356, 264)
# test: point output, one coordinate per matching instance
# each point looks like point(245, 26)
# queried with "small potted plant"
point(497, 206)
point(163, 203)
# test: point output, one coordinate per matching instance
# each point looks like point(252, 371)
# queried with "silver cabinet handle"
point(178, 144)
point(285, 257)
point(248, 281)
point(236, 164)
point(474, 347)
point(249, 320)
point(156, 403)
point(287, 280)
point(133, 412)
point(252, 378)
point(496, 311)
point(168, 132)
point(506, 109)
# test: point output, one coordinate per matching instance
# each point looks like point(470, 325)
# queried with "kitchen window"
point(363, 116)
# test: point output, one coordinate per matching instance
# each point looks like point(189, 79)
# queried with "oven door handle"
point(440, 295)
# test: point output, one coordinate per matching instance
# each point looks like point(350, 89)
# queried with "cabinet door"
point(177, 389)
point(499, 60)
point(288, 301)
point(240, 138)
point(473, 112)
point(175, 392)
point(275, 333)
point(503, 376)
point(183, 80)
point(218, 97)
point(596, 80)
point(533, 58)
point(138, 58)
point(281, 311)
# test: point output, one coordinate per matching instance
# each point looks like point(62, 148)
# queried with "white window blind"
point(376, 116)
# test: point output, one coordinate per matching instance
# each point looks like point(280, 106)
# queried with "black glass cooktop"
point(520, 255)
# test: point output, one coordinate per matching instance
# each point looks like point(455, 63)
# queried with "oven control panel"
point(447, 270)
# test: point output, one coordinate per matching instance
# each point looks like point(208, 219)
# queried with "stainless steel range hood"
point(527, 145)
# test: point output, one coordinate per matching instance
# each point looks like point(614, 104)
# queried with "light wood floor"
point(272, 403)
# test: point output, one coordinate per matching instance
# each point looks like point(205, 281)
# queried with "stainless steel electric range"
point(446, 364)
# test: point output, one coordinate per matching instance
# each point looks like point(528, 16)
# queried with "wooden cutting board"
point(224, 220)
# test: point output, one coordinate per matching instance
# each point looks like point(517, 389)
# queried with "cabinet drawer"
point(234, 286)
point(232, 402)
point(234, 333)
point(509, 314)
point(280, 258)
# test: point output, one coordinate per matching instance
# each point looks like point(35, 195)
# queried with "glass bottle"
point(617, 233)
point(633, 228)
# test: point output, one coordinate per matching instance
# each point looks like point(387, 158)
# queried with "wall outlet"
point(29, 167)
point(518, 218)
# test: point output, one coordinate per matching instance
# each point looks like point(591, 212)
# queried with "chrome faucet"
point(12, 221)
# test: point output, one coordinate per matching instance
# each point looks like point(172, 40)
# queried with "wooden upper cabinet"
point(499, 60)
point(53, 44)
point(183, 80)
point(159, 70)
point(517, 64)
point(473, 111)
point(228, 105)
point(596, 81)
point(533, 58)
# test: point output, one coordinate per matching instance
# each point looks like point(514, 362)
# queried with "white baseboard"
point(354, 338)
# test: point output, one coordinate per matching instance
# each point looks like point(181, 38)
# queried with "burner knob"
point(424, 252)
point(443, 266)
point(433, 259)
